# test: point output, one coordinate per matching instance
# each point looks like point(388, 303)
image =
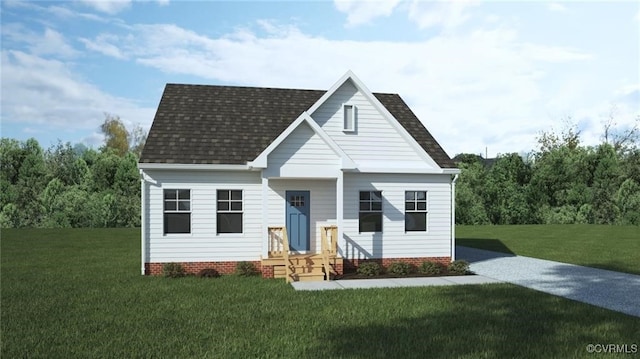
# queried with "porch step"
point(304, 267)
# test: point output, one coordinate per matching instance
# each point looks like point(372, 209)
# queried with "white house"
point(302, 183)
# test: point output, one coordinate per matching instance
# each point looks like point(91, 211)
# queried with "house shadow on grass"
point(491, 249)
point(473, 322)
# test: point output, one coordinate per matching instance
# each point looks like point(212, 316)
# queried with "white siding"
point(394, 242)
point(203, 244)
point(303, 154)
point(323, 204)
point(374, 139)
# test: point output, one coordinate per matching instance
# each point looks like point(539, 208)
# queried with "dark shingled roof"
point(202, 124)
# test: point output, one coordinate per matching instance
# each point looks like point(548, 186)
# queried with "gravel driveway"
point(603, 288)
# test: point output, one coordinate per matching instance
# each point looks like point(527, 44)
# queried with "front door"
point(297, 213)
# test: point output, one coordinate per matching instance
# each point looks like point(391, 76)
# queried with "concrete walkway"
point(394, 282)
point(603, 288)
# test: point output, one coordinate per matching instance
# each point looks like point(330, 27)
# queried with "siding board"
point(375, 139)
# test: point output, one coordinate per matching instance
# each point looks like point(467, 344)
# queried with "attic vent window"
point(349, 118)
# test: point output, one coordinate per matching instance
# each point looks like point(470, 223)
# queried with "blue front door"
point(297, 213)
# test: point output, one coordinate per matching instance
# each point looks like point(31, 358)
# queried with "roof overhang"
point(193, 167)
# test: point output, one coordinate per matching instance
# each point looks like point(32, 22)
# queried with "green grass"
point(601, 246)
point(79, 294)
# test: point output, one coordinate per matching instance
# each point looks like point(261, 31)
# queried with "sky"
point(482, 76)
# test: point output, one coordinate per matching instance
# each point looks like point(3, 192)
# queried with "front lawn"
point(601, 246)
point(79, 294)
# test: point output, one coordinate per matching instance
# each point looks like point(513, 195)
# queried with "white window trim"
point(381, 211)
point(354, 120)
point(425, 211)
point(240, 234)
point(190, 211)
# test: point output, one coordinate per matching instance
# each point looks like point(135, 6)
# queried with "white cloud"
point(361, 12)
point(558, 7)
point(449, 15)
point(108, 6)
point(103, 45)
point(46, 93)
point(50, 42)
point(499, 92)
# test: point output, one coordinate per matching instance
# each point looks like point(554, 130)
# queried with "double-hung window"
point(370, 219)
point(177, 211)
point(229, 216)
point(415, 211)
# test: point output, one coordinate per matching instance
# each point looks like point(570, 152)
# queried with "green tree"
point(31, 180)
point(116, 134)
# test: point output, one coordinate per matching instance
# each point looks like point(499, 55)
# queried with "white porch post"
point(340, 208)
point(143, 221)
point(265, 217)
point(453, 217)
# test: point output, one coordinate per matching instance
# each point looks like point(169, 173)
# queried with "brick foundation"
point(267, 271)
point(195, 267)
point(352, 264)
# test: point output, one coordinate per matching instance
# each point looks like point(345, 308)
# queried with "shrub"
point(369, 269)
point(208, 273)
point(399, 268)
point(246, 269)
point(431, 268)
point(173, 270)
point(458, 267)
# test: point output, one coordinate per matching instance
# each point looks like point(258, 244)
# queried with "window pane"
point(236, 195)
point(376, 206)
point(409, 206)
point(364, 195)
point(177, 222)
point(370, 222)
point(229, 222)
point(421, 195)
point(223, 206)
point(415, 221)
point(184, 205)
point(348, 117)
point(169, 194)
point(364, 206)
point(184, 194)
point(170, 205)
point(222, 195)
point(376, 196)
point(422, 206)
point(236, 206)
point(409, 195)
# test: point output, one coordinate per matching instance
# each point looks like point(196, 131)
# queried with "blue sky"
point(478, 74)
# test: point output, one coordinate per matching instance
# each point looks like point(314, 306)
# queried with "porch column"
point(265, 217)
point(143, 222)
point(339, 209)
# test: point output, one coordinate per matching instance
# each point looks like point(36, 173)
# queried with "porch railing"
point(279, 245)
point(329, 246)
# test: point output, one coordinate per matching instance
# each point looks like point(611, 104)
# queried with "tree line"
point(559, 183)
point(72, 186)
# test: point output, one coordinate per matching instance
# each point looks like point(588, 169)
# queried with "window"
point(349, 118)
point(370, 211)
point(415, 207)
point(177, 211)
point(229, 211)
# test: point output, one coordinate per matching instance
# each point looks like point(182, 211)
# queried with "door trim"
point(307, 211)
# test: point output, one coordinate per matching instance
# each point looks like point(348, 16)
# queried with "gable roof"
point(206, 124)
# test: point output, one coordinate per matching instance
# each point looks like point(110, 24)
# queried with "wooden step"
point(303, 267)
